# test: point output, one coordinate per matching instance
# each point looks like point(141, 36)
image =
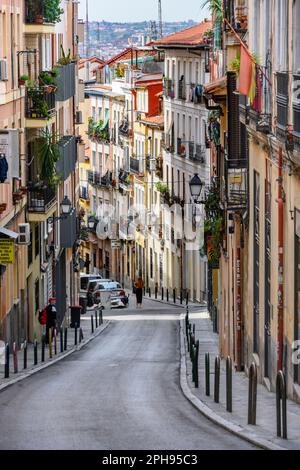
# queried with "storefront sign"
point(6, 251)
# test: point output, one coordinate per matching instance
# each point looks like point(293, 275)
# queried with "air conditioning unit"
point(24, 234)
point(3, 70)
point(79, 117)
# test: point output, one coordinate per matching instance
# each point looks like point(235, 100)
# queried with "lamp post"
point(65, 209)
point(196, 187)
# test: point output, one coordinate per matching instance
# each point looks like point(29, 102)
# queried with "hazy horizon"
point(119, 11)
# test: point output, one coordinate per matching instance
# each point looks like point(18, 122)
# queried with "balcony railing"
point(68, 156)
point(84, 193)
point(282, 99)
point(40, 103)
point(95, 179)
point(296, 103)
point(135, 166)
point(182, 90)
point(41, 200)
point(237, 16)
point(35, 12)
point(236, 182)
point(65, 82)
point(124, 129)
point(169, 88)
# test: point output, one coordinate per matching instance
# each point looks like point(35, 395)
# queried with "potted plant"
point(47, 151)
point(23, 79)
point(52, 11)
point(3, 207)
point(48, 80)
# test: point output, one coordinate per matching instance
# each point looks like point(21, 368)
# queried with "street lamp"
point(65, 209)
point(92, 222)
point(196, 186)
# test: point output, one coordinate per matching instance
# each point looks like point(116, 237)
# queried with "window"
point(94, 159)
point(94, 112)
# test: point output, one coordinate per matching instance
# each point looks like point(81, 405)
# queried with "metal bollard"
point(281, 406)
point(187, 298)
point(15, 355)
point(6, 367)
point(80, 335)
point(156, 292)
point(194, 329)
point(50, 343)
point(162, 293)
point(217, 379)
point(181, 297)
point(167, 295)
point(55, 341)
point(65, 339)
point(92, 323)
point(196, 359)
point(43, 347)
point(207, 374)
point(25, 354)
point(149, 292)
point(101, 316)
point(61, 340)
point(252, 397)
point(215, 319)
point(174, 296)
point(35, 352)
point(96, 318)
point(76, 335)
point(229, 384)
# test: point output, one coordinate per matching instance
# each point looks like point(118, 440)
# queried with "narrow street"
point(120, 392)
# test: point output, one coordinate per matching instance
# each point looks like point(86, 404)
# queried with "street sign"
point(6, 251)
point(115, 244)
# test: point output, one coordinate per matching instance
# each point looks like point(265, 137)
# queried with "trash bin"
point(75, 315)
point(83, 304)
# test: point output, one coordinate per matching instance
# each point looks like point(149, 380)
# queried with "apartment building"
point(13, 292)
point(255, 157)
point(41, 64)
point(185, 153)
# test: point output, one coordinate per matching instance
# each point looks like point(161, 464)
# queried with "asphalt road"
point(121, 392)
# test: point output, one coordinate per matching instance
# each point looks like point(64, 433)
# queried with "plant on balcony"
point(52, 11)
point(23, 79)
point(39, 107)
point(162, 188)
point(214, 224)
point(65, 59)
point(48, 80)
point(47, 151)
point(96, 131)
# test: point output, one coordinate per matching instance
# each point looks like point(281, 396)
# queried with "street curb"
point(171, 304)
point(50, 362)
point(209, 413)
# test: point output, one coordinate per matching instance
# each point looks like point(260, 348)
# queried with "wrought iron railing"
point(40, 200)
point(39, 103)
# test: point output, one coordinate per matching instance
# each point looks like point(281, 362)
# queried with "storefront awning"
point(8, 233)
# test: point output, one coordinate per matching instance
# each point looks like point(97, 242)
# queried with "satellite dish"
point(102, 229)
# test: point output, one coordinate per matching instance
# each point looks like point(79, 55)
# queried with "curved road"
point(121, 392)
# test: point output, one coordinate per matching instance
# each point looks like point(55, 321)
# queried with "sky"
point(140, 10)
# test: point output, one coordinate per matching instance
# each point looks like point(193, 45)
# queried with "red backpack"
point(43, 316)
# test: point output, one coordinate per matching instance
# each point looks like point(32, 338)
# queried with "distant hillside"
point(108, 39)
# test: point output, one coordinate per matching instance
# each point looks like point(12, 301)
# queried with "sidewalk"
point(171, 300)
point(31, 368)
point(265, 432)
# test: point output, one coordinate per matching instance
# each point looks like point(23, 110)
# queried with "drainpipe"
point(280, 265)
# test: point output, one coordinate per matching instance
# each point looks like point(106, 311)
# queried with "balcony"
point(67, 162)
point(237, 16)
point(197, 153)
point(41, 204)
point(282, 100)
point(236, 183)
point(169, 88)
point(39, 107)
point(296, 105)
point(98, 131)
point(124, 129)
point(65, 82)
point(135, 166)
point(37, 19)
point(84, 193)
point(103, 182)
point(182, 90)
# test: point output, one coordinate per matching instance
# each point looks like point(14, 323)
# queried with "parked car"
point(118, 296)
point(85, 280)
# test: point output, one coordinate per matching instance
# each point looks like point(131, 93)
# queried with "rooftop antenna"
point(160, 25)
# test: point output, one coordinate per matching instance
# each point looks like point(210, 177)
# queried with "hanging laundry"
point(3, 168)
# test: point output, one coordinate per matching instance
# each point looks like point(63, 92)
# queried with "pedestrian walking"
point(51, 318)
point(139, 286)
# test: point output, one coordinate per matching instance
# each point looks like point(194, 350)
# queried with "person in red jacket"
point(51, 317)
